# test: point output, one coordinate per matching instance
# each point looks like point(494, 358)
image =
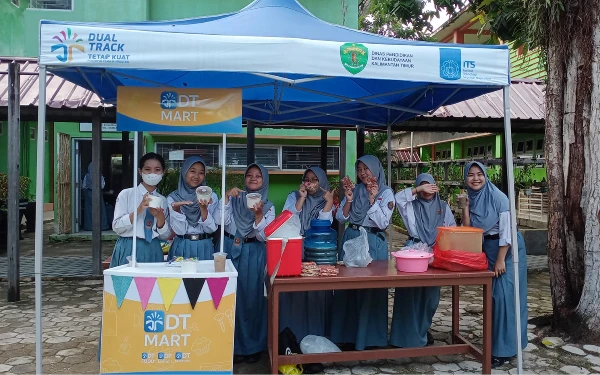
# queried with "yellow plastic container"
point(460, 238)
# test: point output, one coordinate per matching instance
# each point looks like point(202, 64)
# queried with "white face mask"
point(151, 179)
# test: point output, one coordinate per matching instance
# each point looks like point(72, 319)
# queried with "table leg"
point(455, 312)
point(487, 327)
point(275, 330)
point(269, 328)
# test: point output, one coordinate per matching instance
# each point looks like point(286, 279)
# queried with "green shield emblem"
point(354, 57)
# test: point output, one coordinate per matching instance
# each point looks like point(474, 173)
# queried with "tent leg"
point(96, 194)
point(513, 224)
point(136, 141)
point(324, 150)
point(223, 176)
point(342, 226)
point(126, 164)
point(389, 177)
point(39, 217)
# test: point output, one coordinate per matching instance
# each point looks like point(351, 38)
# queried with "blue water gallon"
point(320, 243)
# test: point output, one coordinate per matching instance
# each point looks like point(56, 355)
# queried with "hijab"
point(186, 192)
point(360, 201)
point(87, 179)
point(485, 205)
point(243, 217)
point(314, 203)
point(429, 213)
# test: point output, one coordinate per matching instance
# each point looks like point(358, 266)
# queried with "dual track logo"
point(67, 42)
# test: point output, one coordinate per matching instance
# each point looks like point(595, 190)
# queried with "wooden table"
point(383, 274)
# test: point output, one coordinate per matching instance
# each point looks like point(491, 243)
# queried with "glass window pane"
point(237, 158)
point(529, 146)
point(540, 145)
point(209, 153)
point(301, 158)
point(51, 4)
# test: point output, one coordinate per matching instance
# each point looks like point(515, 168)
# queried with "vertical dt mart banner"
point(179, 110)
point(167, 325)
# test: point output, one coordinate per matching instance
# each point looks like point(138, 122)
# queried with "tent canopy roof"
point(292, 66)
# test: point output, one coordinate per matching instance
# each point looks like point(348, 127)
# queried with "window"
point(46, 136)
point(540, 145)
point(469, 151)
point(210, 153)
point(489, 150)
point(437, 155)
point(475, 151)
point(481, 150)
point(301, 158)
point(32, 133)
point(520, 147)
point(267, 156)
point(529, 146)
point(51, 4)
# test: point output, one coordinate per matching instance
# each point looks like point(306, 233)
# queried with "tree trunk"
point(588, 308)
point(573, 164)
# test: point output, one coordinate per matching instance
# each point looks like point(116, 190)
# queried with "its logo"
point(67, 43)
point(154, 321)
point(168, 100)
point(469, 64)
point(354, 57)
point(450, 61)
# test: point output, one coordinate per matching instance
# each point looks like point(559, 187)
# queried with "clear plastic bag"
point(356, 251)
point(419, 246)
point(312, 344)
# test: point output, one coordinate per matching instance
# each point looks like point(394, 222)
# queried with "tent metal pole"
point(134, 180)
point(389, 176)
point(39, 216)
point(513, 221)
point(324, 149)
point(223, 164)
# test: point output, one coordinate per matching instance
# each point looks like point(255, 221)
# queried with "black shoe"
point(313, 368)
point(237, 359)
point(499, 361)
point(430, 339)
point(253, 358)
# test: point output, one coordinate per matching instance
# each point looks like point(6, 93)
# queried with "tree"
point(567, 34)
point(405, 19)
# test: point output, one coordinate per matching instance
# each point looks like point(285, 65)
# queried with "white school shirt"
point(290, 204)
point(181, 227)
point(259, 230)
point(404, 201)
point(127, 202)
point(378, 216)
point(502, 228)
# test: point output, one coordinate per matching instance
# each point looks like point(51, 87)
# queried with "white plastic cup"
point(204, 193)
point(189, 266)
point(220, 259)
point(252, 199)
point(155, 201)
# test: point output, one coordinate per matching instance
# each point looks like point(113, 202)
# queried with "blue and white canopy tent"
point(292, 68)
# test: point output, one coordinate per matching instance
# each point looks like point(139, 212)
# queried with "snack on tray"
point(309, 269)
point(176, 261)
point(327, 270)
point(371, 182)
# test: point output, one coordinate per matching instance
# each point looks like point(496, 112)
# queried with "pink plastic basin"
point(412, 260)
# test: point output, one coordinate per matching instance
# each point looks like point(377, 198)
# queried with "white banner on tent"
point(87, 46)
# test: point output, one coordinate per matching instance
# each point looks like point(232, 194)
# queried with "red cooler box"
point(291, 258)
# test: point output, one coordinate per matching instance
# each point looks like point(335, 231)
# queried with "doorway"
point(112, 170)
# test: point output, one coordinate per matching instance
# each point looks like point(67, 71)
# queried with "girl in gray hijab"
point(306, 313)
point(245, 246)
point(360, 317)
point(423, 212)
point(488, 209)
point(193, 220)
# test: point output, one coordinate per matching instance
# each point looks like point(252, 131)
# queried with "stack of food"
point(347, 183)
point(371, 182)
point(326, 270)
point(309, 269)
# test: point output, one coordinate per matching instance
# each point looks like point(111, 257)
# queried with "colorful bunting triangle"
point(217, 287)
point(168, 288)
point(193, 287)
point(121, 285)
point(144, 286)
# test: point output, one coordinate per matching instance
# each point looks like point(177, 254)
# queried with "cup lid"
point(204, 190)
point(219, 253)
point(253, 195)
